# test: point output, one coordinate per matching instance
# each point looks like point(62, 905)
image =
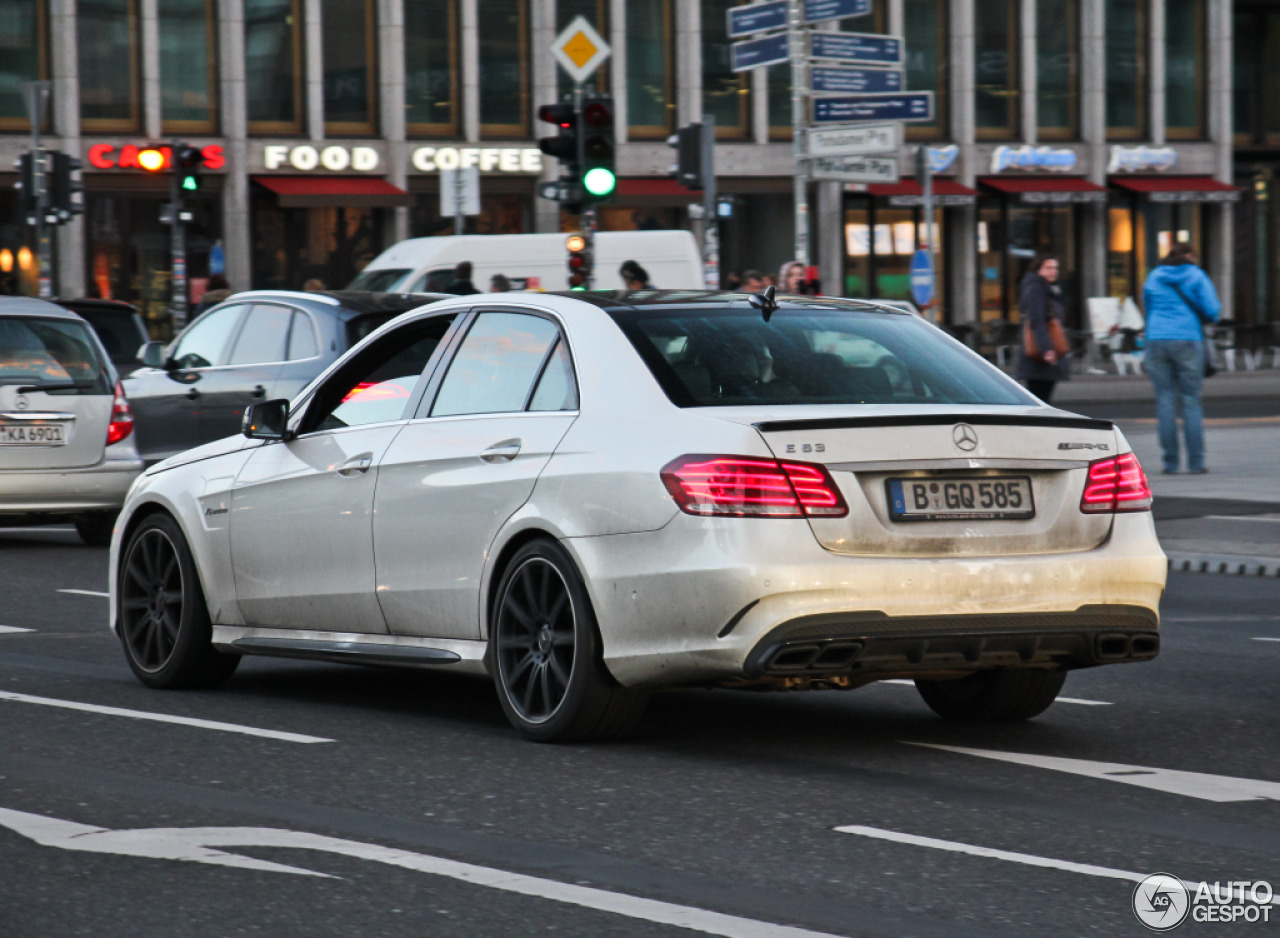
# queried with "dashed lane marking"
point(13, 628)
point(1219, 788)
point(1067, 700)
point(86, 593)
point(163, 718)
point(1267, 639)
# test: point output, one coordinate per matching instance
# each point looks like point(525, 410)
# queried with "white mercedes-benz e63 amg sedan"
point(589, 495)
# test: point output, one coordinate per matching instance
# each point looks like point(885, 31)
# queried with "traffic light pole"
point(37, 102)
point(588, 210)
point(799, 123)
point(710, 215)
point(177, 239)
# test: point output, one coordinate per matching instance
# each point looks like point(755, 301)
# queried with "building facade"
point(1101, 130)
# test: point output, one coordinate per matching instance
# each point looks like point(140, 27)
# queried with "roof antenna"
point(766, 302)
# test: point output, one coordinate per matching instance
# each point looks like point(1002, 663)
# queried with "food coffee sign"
point(335, 158)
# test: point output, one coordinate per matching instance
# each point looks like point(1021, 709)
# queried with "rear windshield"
point(361, 326)
point(54, 353)
point(730, 357)
point(378, 281)
point(119, 332)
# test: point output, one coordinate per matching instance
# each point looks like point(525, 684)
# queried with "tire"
point(1002, 695)
point(95, 529)
point(547, 661)
point(163, 620)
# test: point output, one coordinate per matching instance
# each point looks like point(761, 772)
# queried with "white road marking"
point(197, 844)
point(164, 718)
point(86, 593)
point(1027, 859)
point(1070, 700)
point(13, 628)
point(1267, 639)
point(1242, 518)
point(1219, 788)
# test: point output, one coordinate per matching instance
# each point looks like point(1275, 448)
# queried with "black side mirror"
point(267, 420)
point(152, 355)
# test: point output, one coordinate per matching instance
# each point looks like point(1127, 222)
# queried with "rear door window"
point(263, 336)
point(302, 338)
point(496, 366)
point(56, 353)
point(204, 344)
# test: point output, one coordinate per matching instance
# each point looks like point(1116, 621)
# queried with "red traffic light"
point(576, 261)
point(597, 114)
point(561, 114)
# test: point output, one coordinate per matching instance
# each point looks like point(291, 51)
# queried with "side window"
point(263, 335)
point(302, 338)
point(376, 386)
point(496, 365)
point(205, 343)
point(556, 388)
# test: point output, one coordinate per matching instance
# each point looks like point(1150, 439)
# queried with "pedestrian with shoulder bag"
point(1042, 354)
point(1180, 302)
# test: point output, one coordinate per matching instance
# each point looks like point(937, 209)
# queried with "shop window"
point(504, 67)
point(350, 74)
point(880, 241)
point(431, 67)
point(1255, 63)
point(596, 12)
point(1139, 234)
point(651, 100)
point(1184, 68)
point(996, 84)
point(108, 58)
point(726, 94)
point(188, 75)
point(926, 36)
point(23, 57)
point(1009, 235)
point(19, 275)
point(500, 213)
point(273, 65)
point(293, 245)
point(1057, 68)
point(1126, 70)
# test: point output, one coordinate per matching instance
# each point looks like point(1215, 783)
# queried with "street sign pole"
point(177, 239)
point(924, 173)
point(799, 120)
point(37, 95)
point(710, 214)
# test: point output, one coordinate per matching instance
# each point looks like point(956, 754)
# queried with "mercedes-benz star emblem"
point(21, 402)
point(964, 437)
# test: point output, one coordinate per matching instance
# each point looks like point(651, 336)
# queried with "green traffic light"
point(191, 184)
point(599, 181)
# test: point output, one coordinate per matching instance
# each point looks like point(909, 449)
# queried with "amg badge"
point(1101, 446)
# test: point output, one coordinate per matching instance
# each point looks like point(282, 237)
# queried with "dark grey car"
point(255, 346)
point(119, 327)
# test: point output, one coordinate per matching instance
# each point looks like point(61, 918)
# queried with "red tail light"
point(1116, 484)
point(121, 424)
point(744, 486)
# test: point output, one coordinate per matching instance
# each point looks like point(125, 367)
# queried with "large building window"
point(109, 57)
point(725, 93)
point(925, 36)
point(1126, 98)
point(273, 65)
point(995, 38)
point(349, 75)
point(431, 66)
point(1184, 68)
point(22, 57)
point(596, 12)
point(651, 100)
point(187, 73)
point(504, 67)
point(1057, 67)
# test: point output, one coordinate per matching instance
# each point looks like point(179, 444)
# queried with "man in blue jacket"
point(1179, 299)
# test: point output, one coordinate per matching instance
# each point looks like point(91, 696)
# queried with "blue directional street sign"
point(863, 108)
point(922, 277)
point(857, 48)
point(753, 53)
point(818, 11)
point(756, 18)
point(854, 80)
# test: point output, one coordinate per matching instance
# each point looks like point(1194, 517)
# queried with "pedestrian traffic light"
point(687, 170)
point(65, 197)
point(187, 163)
point(28, 197)
point(579, 261)
point(152, 159)
point(599, 151)
point(564, 145)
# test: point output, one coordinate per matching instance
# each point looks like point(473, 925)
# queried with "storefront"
point(508, 178)
point(19, 275)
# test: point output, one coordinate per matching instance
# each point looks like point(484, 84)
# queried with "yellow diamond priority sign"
point(579, 49)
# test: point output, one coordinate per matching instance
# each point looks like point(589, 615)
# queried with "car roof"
point(30, 306)
point(616, 300)
point(92, 305)
point(351, 302)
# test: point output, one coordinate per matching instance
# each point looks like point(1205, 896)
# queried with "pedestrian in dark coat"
point(1040, 300)
point(462, 285)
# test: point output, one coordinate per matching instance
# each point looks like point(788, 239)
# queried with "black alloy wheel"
point(163, 621)
point(550, 676)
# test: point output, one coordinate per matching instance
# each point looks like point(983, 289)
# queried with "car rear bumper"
point(68, 491)
point(705, 600)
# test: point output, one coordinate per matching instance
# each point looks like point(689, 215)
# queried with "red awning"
point(655, 186)
point(328, 191)
point(1046, 190)
point(908, 192)
point(1178, 188)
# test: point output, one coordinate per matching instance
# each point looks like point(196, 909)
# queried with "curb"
point(1229, 564)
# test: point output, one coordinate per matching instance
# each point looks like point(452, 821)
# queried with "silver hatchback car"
point(67, 451)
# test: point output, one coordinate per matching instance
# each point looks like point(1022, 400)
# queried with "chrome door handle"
point(505, 451)
point(356, 466)
point(258, 391)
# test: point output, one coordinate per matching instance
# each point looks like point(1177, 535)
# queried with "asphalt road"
point(425, 815)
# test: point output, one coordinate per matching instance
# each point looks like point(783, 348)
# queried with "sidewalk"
point(1110, 388)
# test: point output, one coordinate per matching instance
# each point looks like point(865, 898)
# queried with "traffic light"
point(66, 188)
point(599, 151)
point(187, 164)
point(153, 159)
point(579, 261)
point(687, 142)
point(28, 198)
point(564, 145)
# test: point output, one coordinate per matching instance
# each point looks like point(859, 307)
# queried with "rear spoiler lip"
point(922, 420)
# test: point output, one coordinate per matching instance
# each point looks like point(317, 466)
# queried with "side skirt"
point(405, 651)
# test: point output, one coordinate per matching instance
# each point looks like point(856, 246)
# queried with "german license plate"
point(19, 434)
point(987, 498)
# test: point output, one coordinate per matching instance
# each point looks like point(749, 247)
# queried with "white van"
point(532, 261)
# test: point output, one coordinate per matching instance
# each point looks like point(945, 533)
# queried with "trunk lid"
point(80, 418)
